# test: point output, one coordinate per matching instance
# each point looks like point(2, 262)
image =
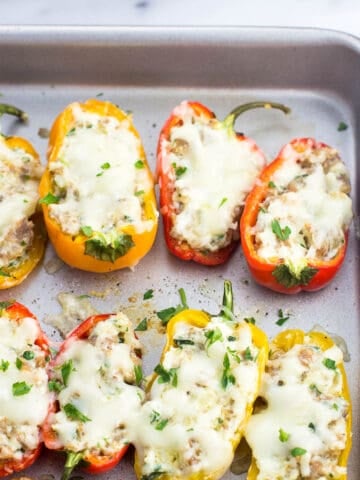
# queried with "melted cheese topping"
point(24, 398)
point(98, 176)
point(309, 195)
point(302, 430)
point(100, 386)
point(212, 173)
point(20, 173)
point(191, 418)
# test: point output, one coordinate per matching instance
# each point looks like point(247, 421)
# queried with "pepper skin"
point(165, 174)
point(93, 463)
point(284, 342)
point(262, 270)
point(14, 275)
point(200, 319)
point(16, 311)
point(71, 249)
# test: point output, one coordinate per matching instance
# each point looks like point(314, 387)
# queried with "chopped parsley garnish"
point(212, 336)
point(28, 355)
point(283, 436)
point(105, 166)
point(167, 314)
point(342, 126)
point(179, 170)
point(139, 164)
point(179, 342)
point(234, 355)
point(166, 376)
point(262, 210)
point(4, 365)
point(315, 389)
point(157, 421)
point(66, 369)
point(55, 386)
point(71, 132)
point(86, 230)
point(224, 200)
point(298, 452)
point(271, 184)
point(142, 327)
point(74, 414)
point(250, 320)
point(18, 363)
point(49, 199)
point(148, 294)
point(282, 319)
point(281, 233)
point(248, 354)
point(311, 426)
point(335, 406)
point(20, 388)
point(329, 363)
point(138, 374)
point(3, 273)
point(139, 193)
point(230, 338)
point(227, 377)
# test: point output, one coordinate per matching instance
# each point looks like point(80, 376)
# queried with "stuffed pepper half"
point(97, 191)
point(205, 171)
point(295, 222)
point(94, 380)
point(22, 232)
point(24, 397)
point(304, 428)
point(200, 396)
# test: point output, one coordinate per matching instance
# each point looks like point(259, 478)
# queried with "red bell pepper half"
point(283, 274)
point(16, 312)
point(93, 463)
point(167, 173)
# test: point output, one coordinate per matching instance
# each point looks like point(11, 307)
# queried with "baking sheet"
point(149, 71)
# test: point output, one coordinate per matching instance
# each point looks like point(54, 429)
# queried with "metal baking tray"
point(149, 71)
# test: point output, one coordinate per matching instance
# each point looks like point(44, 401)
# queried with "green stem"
point(228, 301)
point(72, 459)
point(11, 110)
point(234, 114)
point(183, 298)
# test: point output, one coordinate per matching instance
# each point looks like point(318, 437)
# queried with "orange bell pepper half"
point(275, 273)
point(92, 250)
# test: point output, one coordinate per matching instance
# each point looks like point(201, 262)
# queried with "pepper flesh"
point(94, 463)
point(284, 342)
point(200, 319)
point(14, 275)
point(263, 269)
point(181, 248)
point(71, 249)
point(16, 312)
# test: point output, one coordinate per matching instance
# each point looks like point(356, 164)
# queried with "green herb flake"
point(138, 374)
point(180, 342)
point(224, 200)
point(139, 164)
point(28, 355)
point(105, 166)
point(86, 230)
point(148, 294)
point(179, 171)
point(250, 320)
point(281, 233)
point(342, 127)
point(166, 376)
point(167, 314)
point(271, 184)
point(315, 389)
point(329, 363)
point(212, 336)
point(230, 338)
point(66, 368)
point(3, 273)
point(4, 365)
point(234, 355)
point(227, 377)
point(49, 199)
point(283, 436)
point(139, 193)
point(157, 421)
point(335, 406)
point(18, 363)
point(55, 386)
point(142, 326)
point(161, 424)
point(74, 414)
point(247, 354)
point(282, 319)
point(312, 426)
point(71, 132)
point(298, 452)
point(20, 388)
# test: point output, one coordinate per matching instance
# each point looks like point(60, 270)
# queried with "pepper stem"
point(72, 459)
point(234, 114)
point(227, 311)
point(11, 110)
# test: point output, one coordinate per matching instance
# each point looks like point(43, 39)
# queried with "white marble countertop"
point(343, 15)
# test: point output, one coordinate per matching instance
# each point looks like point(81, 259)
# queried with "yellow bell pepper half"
point(72, 249)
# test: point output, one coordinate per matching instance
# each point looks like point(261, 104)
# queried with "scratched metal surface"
point(149, 71)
